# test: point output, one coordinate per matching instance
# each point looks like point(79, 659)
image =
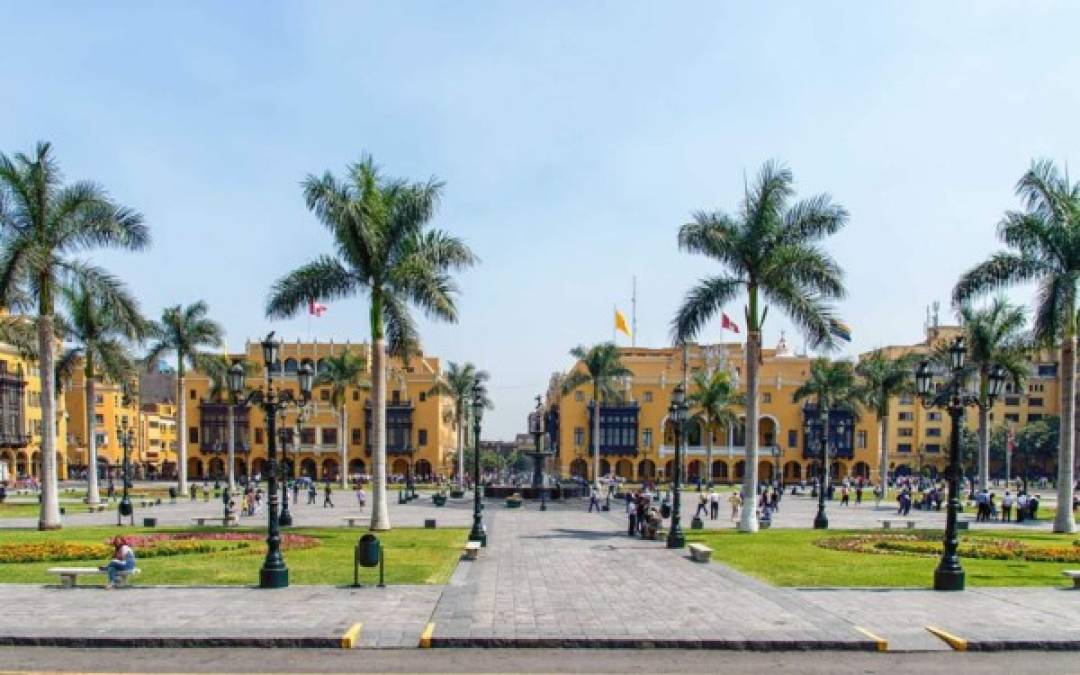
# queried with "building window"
point(1047, 370)
point(579, 436)
point(1035, 402)
point(329, 436)
point(356, 395)
point(307, 436)
point(99, 419)
point(357, 437)
point(99, 399)
point(646, 436)
point(906, 399)
point(933, 416)
point(648, 396)
point(903, 447)
point(1012, 400)
point(579, 396)
point(860, 439)
point(905, 416)
point(258, 435)
point(101, 439)
point(423, 396)
point(793, 438)
point(766, 397)
point(421, 437)
point(1034, 417)
point(324, 395)
point(395, 397)
point(933, 432)
point(192, 395)
point(1012, 417)
point(193, 434)
point(905, 432)
point(933, 447)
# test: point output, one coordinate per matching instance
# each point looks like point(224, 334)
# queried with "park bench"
point(69, 575)
point(700, 553)
point(1074, 575)
point(472, 550)
point(225, 522)
point(355, 521)
point(95, 508)
point(887, 523)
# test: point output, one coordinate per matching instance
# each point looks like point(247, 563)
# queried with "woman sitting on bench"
point(123, 561)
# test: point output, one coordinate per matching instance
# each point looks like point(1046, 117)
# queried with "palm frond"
point(702, 303)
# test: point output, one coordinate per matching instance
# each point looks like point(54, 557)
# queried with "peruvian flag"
point(727, 324)
point(315, 309)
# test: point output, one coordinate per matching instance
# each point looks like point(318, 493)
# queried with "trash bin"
point(368, 550)
point(429, 523)
point(149, 522)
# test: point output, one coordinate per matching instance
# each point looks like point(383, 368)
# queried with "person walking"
point(736, 502)
point(326, 496)
point(702, 505)
point(594, 499)
point(845, 496)
point(312, 492)
point(714, 505)
point(361, 497)
point(296, 492)
point(858, 494)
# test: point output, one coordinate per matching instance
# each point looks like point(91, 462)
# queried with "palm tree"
point(601, 367)
point(384, 249)
point(216, 368)
point(43, 224)
point(458, 382)
point(768, 248)
point(186, 332)
point(885, 378)
point(101, 335)
point(341, 372)
point(995, 336)
point(833, 386)
point(716, 398)
point(1045, 238)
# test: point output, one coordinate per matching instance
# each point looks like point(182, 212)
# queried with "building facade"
point(20, 419)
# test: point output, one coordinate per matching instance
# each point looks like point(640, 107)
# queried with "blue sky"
point(574, 138)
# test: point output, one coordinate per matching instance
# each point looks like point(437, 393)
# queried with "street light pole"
point(274, 573)
point(678, 408)
point(126, 434)
point(821, 521)
point(477, 533)
point(285, 519)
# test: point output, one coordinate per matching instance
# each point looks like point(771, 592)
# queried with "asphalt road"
point(551, 661)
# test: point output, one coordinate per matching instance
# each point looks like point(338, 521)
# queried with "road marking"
point(957, 643)
point(882, 643)
point(425, 637)
point(351, 636)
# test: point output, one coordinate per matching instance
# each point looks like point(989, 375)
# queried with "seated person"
point(123, 560)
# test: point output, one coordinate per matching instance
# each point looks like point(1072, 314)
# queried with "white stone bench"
point(94, 508)
point(887, 523)
point(69, 575)
point(225, 522)
point(355, 521)
point(1074, 575)
point(700, 553)
point(472, 550)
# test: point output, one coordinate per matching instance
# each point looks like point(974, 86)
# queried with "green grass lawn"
point(413, 556)
point(791, 558)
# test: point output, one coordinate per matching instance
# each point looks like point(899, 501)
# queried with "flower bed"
point(930, 545)
point(148, 546)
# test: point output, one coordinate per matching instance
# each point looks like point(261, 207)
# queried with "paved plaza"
point(560, 578)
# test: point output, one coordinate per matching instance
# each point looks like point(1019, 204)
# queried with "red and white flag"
point(315, 309)
point(727, 324)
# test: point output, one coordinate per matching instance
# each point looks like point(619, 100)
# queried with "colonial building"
point(20, 419)
point(637, 440)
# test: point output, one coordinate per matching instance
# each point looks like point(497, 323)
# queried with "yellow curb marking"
point(882, 643)
point(352, 636)
point(425, 637)
point(957, 643)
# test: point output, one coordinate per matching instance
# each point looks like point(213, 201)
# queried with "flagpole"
point(633, 315)
point(614, 328)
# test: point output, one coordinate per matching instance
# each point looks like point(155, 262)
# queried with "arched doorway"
point(693, 432)
point(400, 467)
point(861, 470)
point(719, 470)
point(693, 470)
point(240, 467)
point(258, 466)
point(740, 469)
point(768, 432)
point(838, 471)
point(646, 470)
point(329, 469)
point(21, 465)
point(579, 468)
point(423, 470)
point(217, 468)
point(669, 469)
point(624, 469)
point(307, 468)
point(356, 467)
point(605, 468)
point(792, 471)
point(902, 470)
point(195, 468)
point(765, 470)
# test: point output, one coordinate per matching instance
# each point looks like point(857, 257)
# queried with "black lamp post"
point(477, 533)
point(677, 413)
point(821, 521)
point(127, 435)
point(274, 573)
point(953, 397)
point(285, 518)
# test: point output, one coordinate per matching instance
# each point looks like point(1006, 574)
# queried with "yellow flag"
point(620, 323)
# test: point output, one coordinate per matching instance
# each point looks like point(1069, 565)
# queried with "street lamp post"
point(285, 518)
point(477, 533)
point(677, 414)
point(274, 573)
point(821, 521)
point(126, 437)
point(953, 397)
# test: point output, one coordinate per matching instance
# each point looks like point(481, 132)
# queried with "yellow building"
point(111, 416)
point(419, 437)
point(20, 419)
point(637, 442)
point(158, 442)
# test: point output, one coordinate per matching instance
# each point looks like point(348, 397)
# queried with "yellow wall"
point(20, 450)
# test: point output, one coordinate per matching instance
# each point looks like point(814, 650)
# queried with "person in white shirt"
point(1006, 507)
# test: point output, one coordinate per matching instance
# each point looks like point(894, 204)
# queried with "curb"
point(646, 643)
point(171, 642)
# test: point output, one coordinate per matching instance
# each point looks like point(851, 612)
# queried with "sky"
point(574, 139)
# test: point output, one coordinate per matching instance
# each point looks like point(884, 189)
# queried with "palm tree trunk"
point(748, 522)
point(596, 437)
point(1063, 517)
point(181, 430)
point(883, 438)
point(461, 447)
point(344, 421)
point(708, 452)
point(92, 495)
point(49, 518)
point(231, 471)
point(984, 449)
point(380, 514)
